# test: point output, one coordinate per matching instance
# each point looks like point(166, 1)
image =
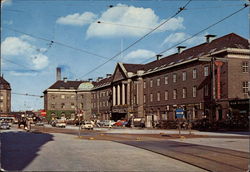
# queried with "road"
point(103, 150)
point(35, 151)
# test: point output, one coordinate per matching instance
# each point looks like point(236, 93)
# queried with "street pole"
point(78, 115)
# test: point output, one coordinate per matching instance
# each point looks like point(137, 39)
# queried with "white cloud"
point(140, 54)
point(115, 18)
point(20, 50)
point(175, 38)
point(77, 19)
point(16, 46)
point(40, 61)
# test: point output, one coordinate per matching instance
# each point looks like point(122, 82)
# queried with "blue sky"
point(29, 58)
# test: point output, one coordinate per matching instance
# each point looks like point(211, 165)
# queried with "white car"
point(87, 125)
point(107, 123)
point(61, 124)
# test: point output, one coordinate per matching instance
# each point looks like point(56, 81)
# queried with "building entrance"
point(118, 116)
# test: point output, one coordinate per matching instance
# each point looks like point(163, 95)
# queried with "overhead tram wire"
point(10, 61)
point(179, 11)
point(26, 94)
point(58, 43)
point(125, 25)
point(208, 27)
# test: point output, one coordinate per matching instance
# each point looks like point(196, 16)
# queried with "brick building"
point(102, 98)
point(210, 80)
point(5, 96)
point(68, 98)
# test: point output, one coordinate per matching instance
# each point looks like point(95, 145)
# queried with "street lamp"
point(78, 115)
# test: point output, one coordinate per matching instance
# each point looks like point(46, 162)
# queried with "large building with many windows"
point(68, 98)
point(5, 96)
point(210, 80)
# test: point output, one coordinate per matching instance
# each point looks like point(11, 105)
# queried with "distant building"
point(5, 96)
point(210, 80)
point(68, 98)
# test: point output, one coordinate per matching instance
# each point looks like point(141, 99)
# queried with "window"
point(72, 105)
point(184, 76)
point(245, 87)
point(166, 79)
point(184, 93)
point(72, 96)
point(166, 95)
point(144, 84)
point(151, 97)
point(151, 83)
point(158, 96)
point(206, 71)
point(206, 91)
point(158, 81)
point(63, 96)
point(62, 105)
point(245, 67)
point(194, 91)
point(174, 77)
point(53, 105)
point(144, 98)
point(174, 94)
point(1, 97)
point(194, 73)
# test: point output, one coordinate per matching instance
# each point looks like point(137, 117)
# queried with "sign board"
point(179, 113)
point(43, 113)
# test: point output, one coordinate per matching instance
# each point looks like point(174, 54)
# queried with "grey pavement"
point(62, 152)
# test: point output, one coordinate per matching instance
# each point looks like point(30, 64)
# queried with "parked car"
point(107, 123)
point(39, 123)
point(4, 125)
point(87, 125)
point(121, 123)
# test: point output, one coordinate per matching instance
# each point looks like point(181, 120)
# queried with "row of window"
point(174, 77)
point(166, 94)
point(62, 96)
point(100, 94)
point(101, 104)
point(63, 105)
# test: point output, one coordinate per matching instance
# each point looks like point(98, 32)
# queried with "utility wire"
point(208, 27)
point(119, 24)
point(56, 42)
point(26, 94)
point(179, 11)
point(10, 61)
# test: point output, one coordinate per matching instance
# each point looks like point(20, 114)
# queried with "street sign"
point(43, 113)
point(179, 113)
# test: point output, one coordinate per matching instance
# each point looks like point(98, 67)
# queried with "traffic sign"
point(43, 113)
point(179, 113)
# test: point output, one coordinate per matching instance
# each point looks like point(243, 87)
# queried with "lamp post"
point(78, 115)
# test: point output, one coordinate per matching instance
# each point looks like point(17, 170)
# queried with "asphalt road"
point(23, 151)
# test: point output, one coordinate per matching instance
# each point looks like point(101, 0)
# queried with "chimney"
point(180, 49)
point(65, 79)
point(158, 56)
point(108, 75)
point(58, 74)
point(209, 38)
point(99, 79)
